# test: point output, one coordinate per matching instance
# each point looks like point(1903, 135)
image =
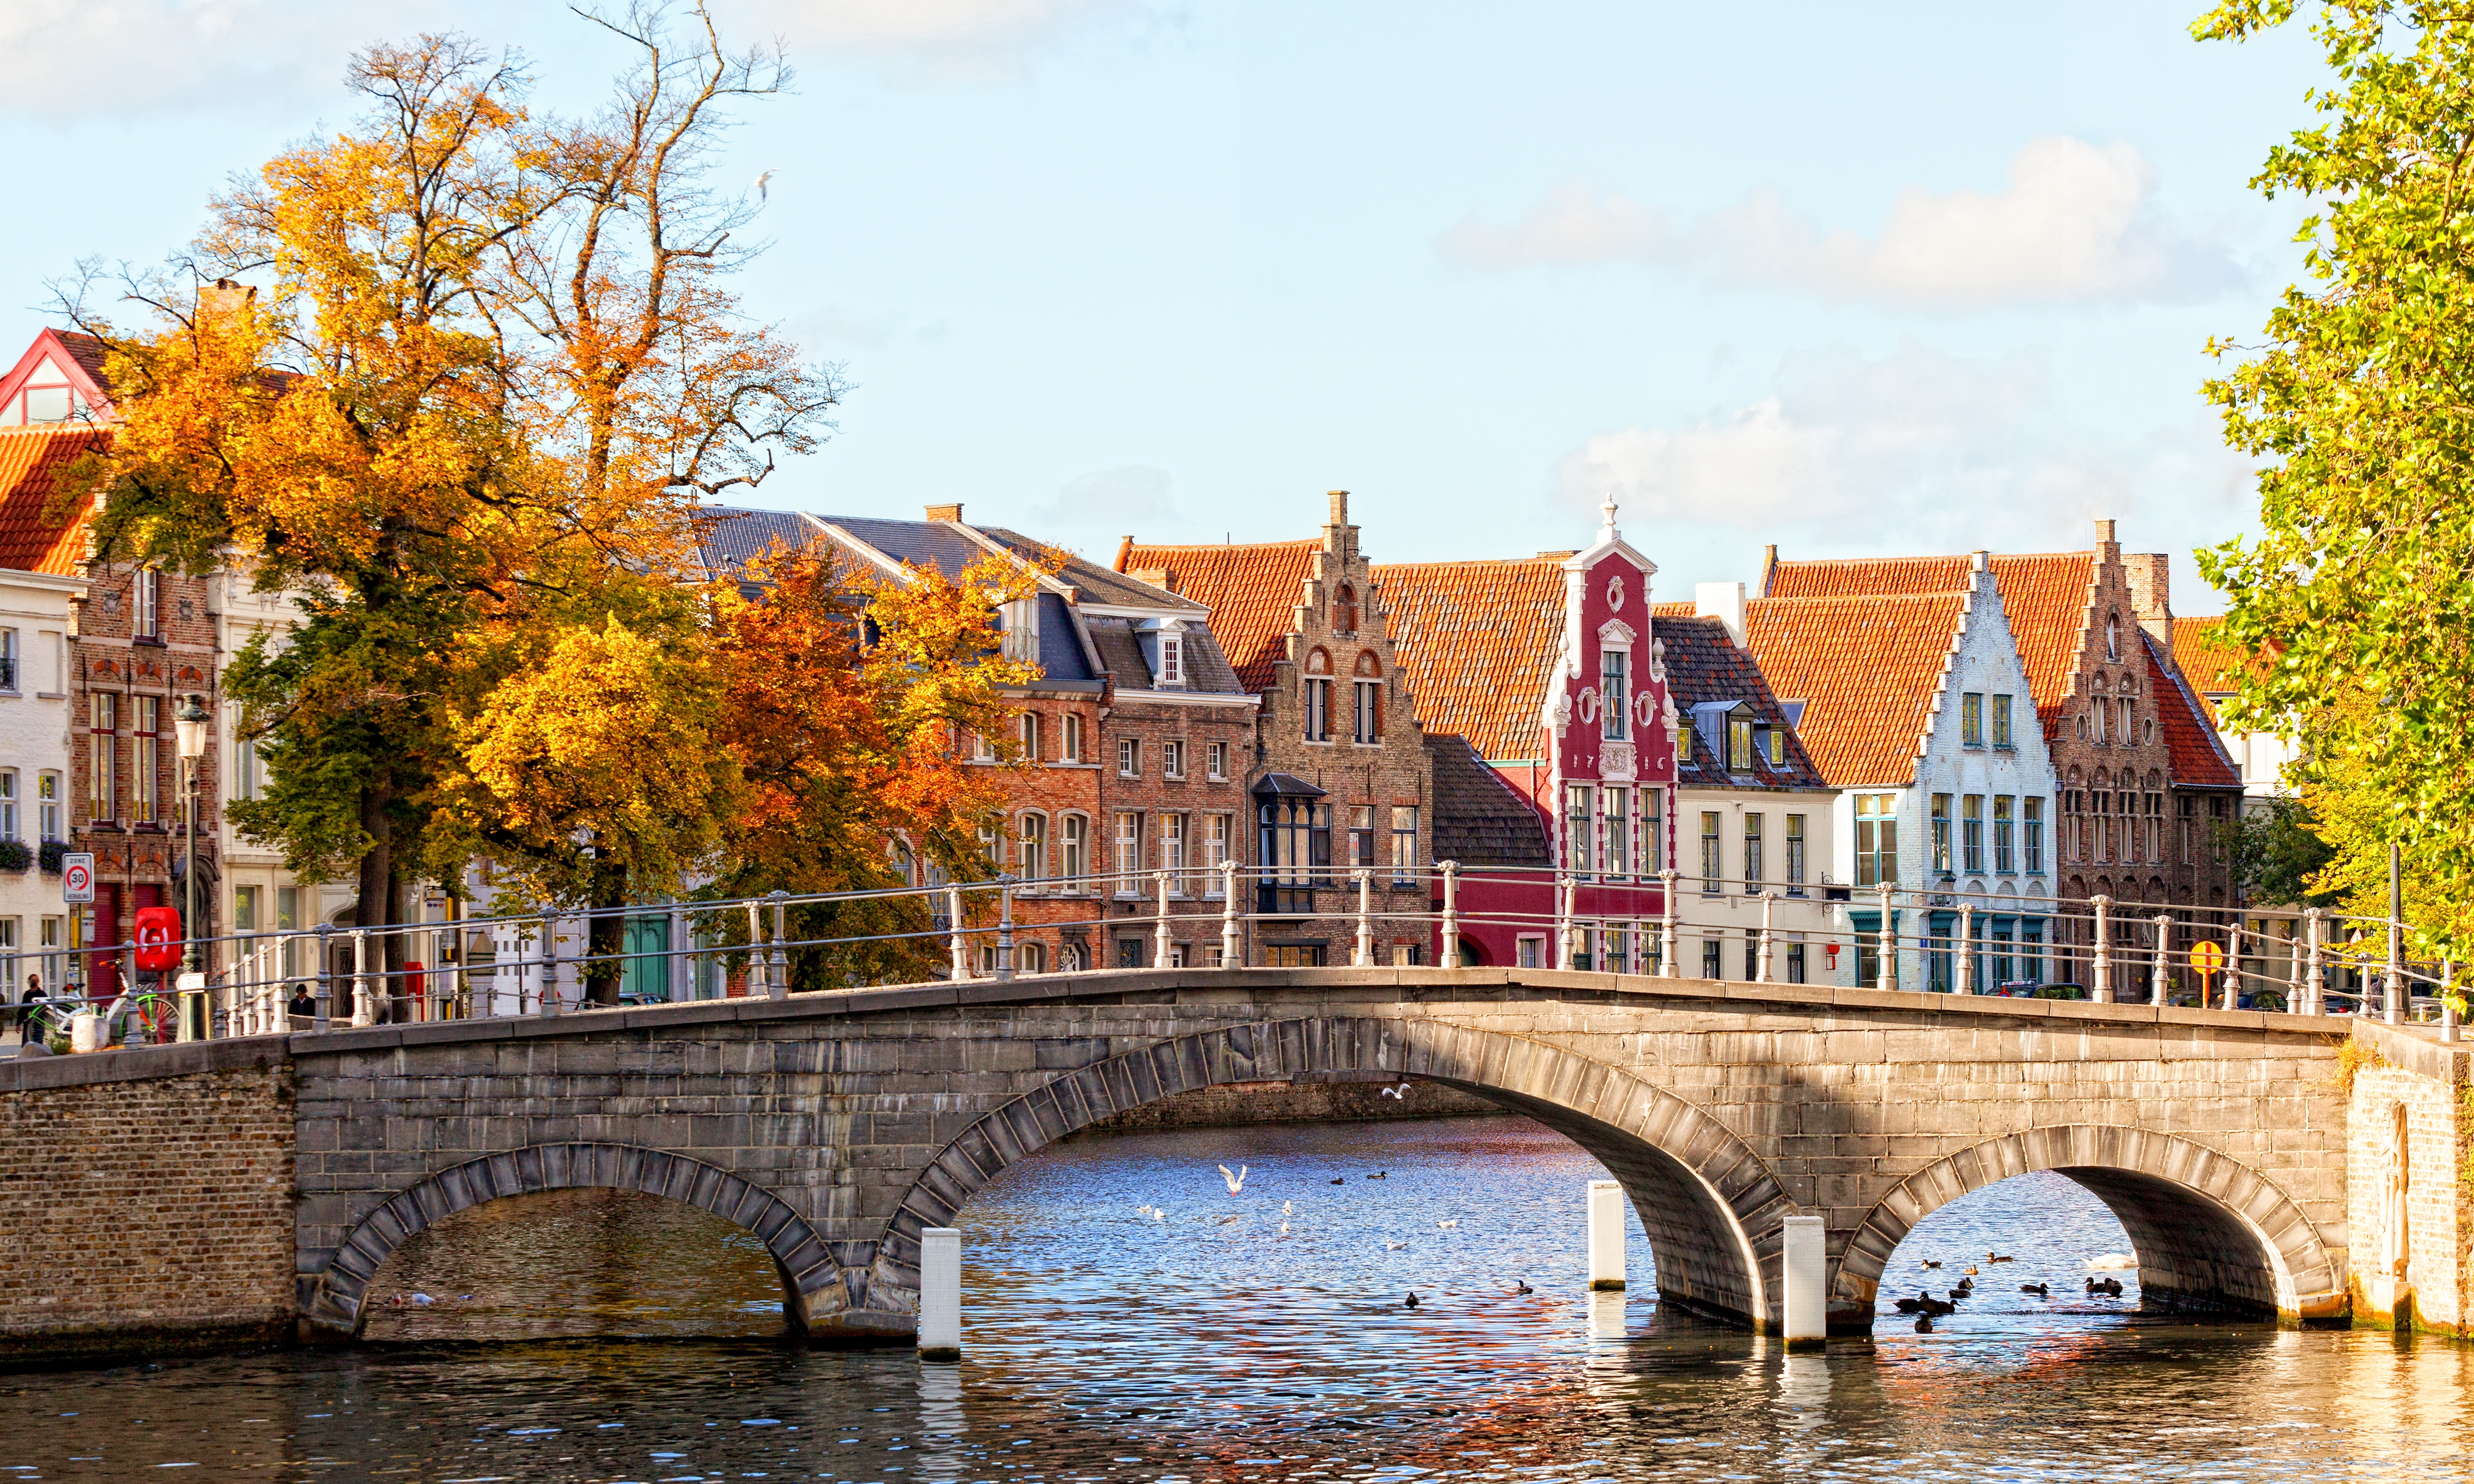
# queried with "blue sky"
point(1849, 280)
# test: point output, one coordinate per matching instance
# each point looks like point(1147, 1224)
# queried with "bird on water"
point(2040, 1290)
point(1519, 1287)
point(1411, 1301)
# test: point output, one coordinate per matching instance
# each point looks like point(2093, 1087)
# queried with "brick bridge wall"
point(839, 1126)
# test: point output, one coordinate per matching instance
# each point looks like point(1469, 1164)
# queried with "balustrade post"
point(1564, 921)
point(1886, 977)
point(325, 981)
point(1232, 945)
point(2156, 994)
point(756, 952)
point(1666, 967)
point(2313, 985)
point(1004, 930)
point(959, 950)
point(362, 1012)
point(1364, 957)
point(1162, 944)
point(1448, 950)
point(2100, 966)
point(681, 965)
point(548, 1004)
point(777, 979)
point(2233, 967)
point(1762, 960)
point(1963, 963)
point(2448, 1032)
point(2395, 995)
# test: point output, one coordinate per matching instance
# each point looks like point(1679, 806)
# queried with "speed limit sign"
point(77, 878)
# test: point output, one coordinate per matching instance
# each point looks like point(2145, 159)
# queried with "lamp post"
point(190, 727)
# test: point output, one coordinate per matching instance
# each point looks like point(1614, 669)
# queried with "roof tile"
point(1703, 665)
point(2212, 664)
point(1253, 592)
point(1474, 641)
point(2199, 759)
point(1868, 671)
point(30, 461)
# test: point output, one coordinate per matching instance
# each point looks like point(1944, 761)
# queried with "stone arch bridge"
point(838, 1126)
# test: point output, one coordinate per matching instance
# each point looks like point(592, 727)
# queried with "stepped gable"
point(2046, 595)
point(1480, 819)
point(1474, 641)
point(1703, 665)
point(30, 462)
point(1253, 592)
point(2199, 757)
point(1869, 671)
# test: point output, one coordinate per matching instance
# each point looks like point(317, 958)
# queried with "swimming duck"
point(2038, 1289)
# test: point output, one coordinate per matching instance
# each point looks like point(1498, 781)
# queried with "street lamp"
point(189, 728)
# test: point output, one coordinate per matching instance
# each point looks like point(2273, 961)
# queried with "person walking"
point(30, 1011)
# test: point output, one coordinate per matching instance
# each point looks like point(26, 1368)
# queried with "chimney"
point(223, 295)
point(1339, 508)
point(2150, 577)
point(1723, 602)
point(950, 514)
point(1769, 567)
point(2105, 537)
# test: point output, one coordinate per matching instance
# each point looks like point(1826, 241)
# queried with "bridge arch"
point(815, 1292)
point(1711, 1207)
point(2210, 1232)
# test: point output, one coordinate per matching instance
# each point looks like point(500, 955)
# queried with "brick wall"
point(148, 1215)
point(2423, 1267)
point(1189, 798)
point(1052, 789)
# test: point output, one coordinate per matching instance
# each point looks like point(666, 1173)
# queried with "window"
point(1579, 801)
point(1971, 719)
point(143, 784)
point(1795, 857)
point(2189, 826)
point(1028, 726)
point(1367, 717)
point(55, 962)
point(992, 848)
point(2156, 827)
point(1173, 759)
point(1752, 955)
point(982, 750)
point(7, 803)
point(2004, 832)
point(47, 805)
point(287, 916)
point(1711, 860)
point(1317, 698)
point(1129, 853)
point(103, 716)
point(1033, 846)
point(1531, 951)
point(1070, 740)
point(1295, 852)
point(1018, 625)
point(244, 909)
point(1361, 837)
point(2032, 834)
point(2130, 722)
point(148, 599)
point(1343, 611)
point(1653, 831)
point(1615, 832)
point(1615, 949)
point(2103, 822)
point(2129, 808)
point(2113, 637)
point(1216, 758)
point(2002, 721)
point(1215, 852)
point(1739, 744)
point(1031, 958)
point(8, 659)
point(1775, 739)
point(1132, 953)
point(1795, 963)
point(1971, 826)
point(1876, 840)
point(1129, 758)
point(1172, 658)
point(1713, 962)
point(1941, 856)
point(1404, 845)
point(2104, 722)
point(1172, 852)
point(1752, 853)
point(1073, 841)
point(1614, 693)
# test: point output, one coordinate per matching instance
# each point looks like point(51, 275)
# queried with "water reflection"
point(1105, 1346)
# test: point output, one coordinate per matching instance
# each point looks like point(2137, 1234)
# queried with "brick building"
point(1339, 778)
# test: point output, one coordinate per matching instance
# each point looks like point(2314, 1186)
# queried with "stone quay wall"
point(146, 1202)
point(2409, 1133)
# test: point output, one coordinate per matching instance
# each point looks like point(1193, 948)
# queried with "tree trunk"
point(609, 936)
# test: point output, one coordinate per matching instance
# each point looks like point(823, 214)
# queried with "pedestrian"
point(303, 1003)
point(30, 1011)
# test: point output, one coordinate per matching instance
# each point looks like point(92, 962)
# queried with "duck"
point(1994, 1257)
point(1930, 1263)
point(2113, 1288)
point(1931, 1305)
point(2040, 1290)
point(1924, 1326)
point(1912, 1305)
point(1411, 1301)
point(1519, 1287)
point(1971, 1269)
point(1380, 1175)
point(1342, 1181)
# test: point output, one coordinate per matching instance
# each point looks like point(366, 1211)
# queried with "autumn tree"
point(2359, 592)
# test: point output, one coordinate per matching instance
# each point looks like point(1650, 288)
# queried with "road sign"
point(76, 876)
point(2206, 957)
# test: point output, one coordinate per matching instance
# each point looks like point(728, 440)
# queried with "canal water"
point(1207, 1344)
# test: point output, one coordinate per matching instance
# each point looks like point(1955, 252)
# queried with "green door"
point(646, 973)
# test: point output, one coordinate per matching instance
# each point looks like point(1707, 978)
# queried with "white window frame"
point(1069, 745)
point(1216, 758)
point(1173, 758)
point(1171, 652)
point(1030, 848)
point(1127, 859)
point(1130, 756)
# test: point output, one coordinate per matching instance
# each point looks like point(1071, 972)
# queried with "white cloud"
point(1912, 452)
point(2076, 224)
point(66, 60)
point(941, 41)
point(1129, 497)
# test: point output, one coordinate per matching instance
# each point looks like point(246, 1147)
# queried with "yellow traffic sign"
point(2206, 957)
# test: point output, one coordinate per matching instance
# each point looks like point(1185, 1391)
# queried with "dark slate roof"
point(1060, 648)
point(1095, 583)
point(1705, 668)
point(1479, 818)
point(937, 543)
point(731, 537)
point(1119, 652)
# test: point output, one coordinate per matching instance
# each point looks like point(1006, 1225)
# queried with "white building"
point(1917, 709)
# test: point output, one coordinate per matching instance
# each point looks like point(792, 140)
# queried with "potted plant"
point(15, 855)
point(55, 854)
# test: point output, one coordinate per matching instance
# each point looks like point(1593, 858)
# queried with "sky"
point(1849, 280)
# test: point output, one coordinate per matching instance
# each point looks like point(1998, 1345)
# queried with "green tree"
point(2277, 855)
point(2359, 594)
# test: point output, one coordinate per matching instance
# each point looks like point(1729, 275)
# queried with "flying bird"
point(761, 194)
point(1401, 1092)
point(1236, 1182)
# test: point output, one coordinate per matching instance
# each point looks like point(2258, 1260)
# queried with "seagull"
point(1284, 1208)
point(761, 194)
point(1401, 1092)
point(1236, 1182)
point(1158, 1215)
point(1284, 1229)
point(1393, 1246)
point(1447, 1226)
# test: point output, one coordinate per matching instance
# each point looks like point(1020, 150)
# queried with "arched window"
point(1032, 836)
point(1366, 725)
point(1031, 958)
point(1344, 612)
point(2113, 637)
point(1315, 699)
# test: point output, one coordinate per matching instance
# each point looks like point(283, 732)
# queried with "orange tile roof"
point(31, 460)
point(2200, 758)
point(2046, 595)
point(1674, 610)
point(1868, 671)
point(2212, 664)
point(1474, 641)
point(1253, 592)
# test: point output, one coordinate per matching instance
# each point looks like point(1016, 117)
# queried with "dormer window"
point(1172, 658)
point(1019, 623)
point(1739, 744)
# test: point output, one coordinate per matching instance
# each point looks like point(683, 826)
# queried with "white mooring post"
point(2100, 966)
point(1667, 968)
point(1448, 952)
point(2164, 947)
point(1606, 1235)
point(1807, 1313)
point(2233, 967)
point(940, 1293)
point(1232, 945)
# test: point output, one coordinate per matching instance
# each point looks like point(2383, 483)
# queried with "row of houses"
point(2018, 733)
